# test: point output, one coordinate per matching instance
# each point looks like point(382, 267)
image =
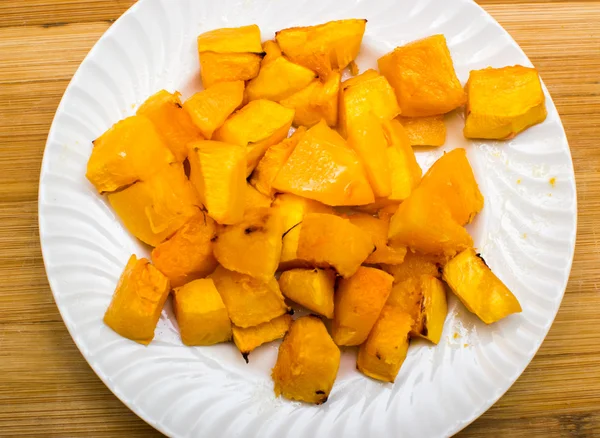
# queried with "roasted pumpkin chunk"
point(415, 264)
point(384, 351)
point(425, 131)
point(423, 76)
point(358, 303)
point(171, 121)
point(272, 51)
point(478, 288)
point(311, 288)
point(330, 241)
point(404, 169)
point(249, 301)
point(249, 338)
point(154, 209)
point(322, 167)
point(307, 363)
point(218, 171)
point(231, 40)
point(228, 67)
point(188, 254)
point(138, 300)
point(278, 79)
point(377, 229)
point(131, 150)
point(210, 108)
point(503, 102)
point(201, 313)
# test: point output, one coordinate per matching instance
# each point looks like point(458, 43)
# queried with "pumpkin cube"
point(476, 286)
point(322, 167)
point(358, 303)
point(311, 288)
point(138, 300)
point(404, 168)
point(425, 131)
point(278, 79)
point(154, 209)
point(415, 264)
point(228, 67)
point(272, 51)
point(201, 314)
point(329, 241)
point(131, 150)
point(249, 301)
point(218, 171)
point(423, 76)
point(407, 295)
point(503, 102)
point(249, 338)
point(307, 363)
point(231, 40)
point(210, 108)
point(384, 351)
point(377, 229)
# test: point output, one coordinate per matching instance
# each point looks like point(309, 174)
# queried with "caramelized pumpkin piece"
point(250, 338)
point(138, 300)
point(311, 288)
point(231, 40)
point(503, 102)
point(423, 76)
point(210, 108)
point(228, 67)
point(307, 363)
point(377, 228)
point(171, 122)
point(188, 254)
point(384, 351)
point(278, 79)
point(404, 169)
point(425, 131)
point(201, 314)
point(131, 150)
point(322, 167)
point(272, 51)
point(218, 171)
point(478, 288)
point(358, 303)
point(415, 264)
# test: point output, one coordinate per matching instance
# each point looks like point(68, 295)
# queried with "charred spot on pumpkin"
point(245, 356)
point(284, 234)
point(424, 330)
point(482, 259)
point(187, 168)
point(374, 249)
point(440, 269)
point(322, 401)
point(316, 270)
point(252, 229)
point(377, 355)
point(320, 392)
point(290, 312)
point(178, 105)
point(214, 238)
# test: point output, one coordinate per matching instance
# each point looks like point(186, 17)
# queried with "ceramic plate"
point(526, 233)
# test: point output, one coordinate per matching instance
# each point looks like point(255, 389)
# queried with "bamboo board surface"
point(46, 386)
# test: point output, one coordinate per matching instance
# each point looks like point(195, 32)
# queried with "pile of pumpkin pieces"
point(337, 217)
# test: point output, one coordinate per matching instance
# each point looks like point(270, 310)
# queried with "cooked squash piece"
point(271, 163)
point(231, 40)
point(138, 300)
point(425, 131)
point(324, 47)
point(322, 167)
point(424, 223)
point(358, 303)
point(503, 102)
point(404, 169)
point(407, 295)
point(317, 101)
point(272, 51)
point(478, 288)
point(377, 228)
point(330, 241)
point(254, 199)
point(307, 363)
point(434, 309)
point(131, 150)
point(228, 67)
point(423, 76)
point(257, 126)
point(155, 209)
point(278, 79)
point(210, 108)
point(249, 301)
point(249, 338)
point(201, 314)
point(311, 288)
point(171, 122)
point(188, 255)
point(414, 265)
point(218, 171)
point(253, 246)
point(382, 355)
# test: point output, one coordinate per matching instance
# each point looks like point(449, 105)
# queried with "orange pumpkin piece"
point(228, 67)
point(171, 121)
point(201, 314)
point(377, 228)
point(137, 302)
point(231, 40)
point(385, 350)
point(317, 101)
point(249, 301)
point(311, 288)
point(425, 131)
point(210, 108)
point(358, 303)
point(404, 169)
point(131, 150)
point(188, 254)
point(451, 178)
point(250, 338)
point(322, 167)
point(503, 102)
point(257, 126)
point(155, 209)
point(423, 76)
point(278, 79)
point(307, 362)
point(415, 264)
point(272, 51)
point(218, 171)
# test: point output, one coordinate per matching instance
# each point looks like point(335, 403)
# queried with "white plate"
point(526, 233)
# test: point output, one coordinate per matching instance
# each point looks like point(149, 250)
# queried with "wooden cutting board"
point(47, 388)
